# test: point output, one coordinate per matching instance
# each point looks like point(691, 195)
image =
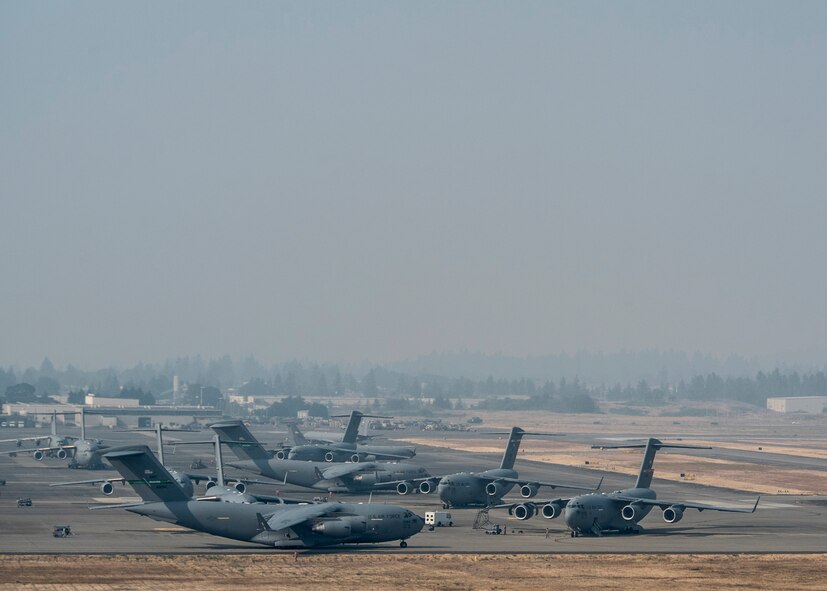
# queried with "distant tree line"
point(207, 378)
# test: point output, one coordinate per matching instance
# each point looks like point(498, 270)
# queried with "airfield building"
point(803, 404)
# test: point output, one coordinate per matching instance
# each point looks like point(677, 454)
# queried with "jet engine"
point(210, 483)
point(629, 512)
point(427, 486)
point(282, 454)
point(107, 488)
point(240, 487)
point(355, 458)
point(61, 454)
point(405, 488)
point(495, 489)
point(38, 455)
point(528, 491)
point(673, 514)
point(551, 510)
point(523, 511)
point(329, 457)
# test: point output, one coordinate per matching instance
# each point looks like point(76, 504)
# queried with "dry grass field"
point(422, 571)
point(744, 432)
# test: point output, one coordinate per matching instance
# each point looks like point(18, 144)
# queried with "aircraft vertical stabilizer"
point(512, 448)
point(147, 475)
point(239, 439)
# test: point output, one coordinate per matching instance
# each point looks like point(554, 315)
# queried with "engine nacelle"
point(240, 487)
point(528, 491)
point(672, 514)
point(335, 528)
point(629, 512)
point(329, 457)
point(355, 458)
point(61, 454)
point(427, 486)
point(282, 454)
point(551, 510)
point(523, 511)
point(405, 488)
point(495, 489)
point(38, 455)
point(107, 488)
point(210, 484)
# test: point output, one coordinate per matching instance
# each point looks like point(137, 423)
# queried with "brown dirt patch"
point(416, 571)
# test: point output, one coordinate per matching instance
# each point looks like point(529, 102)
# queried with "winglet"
point(599, 484)
point(756, 504)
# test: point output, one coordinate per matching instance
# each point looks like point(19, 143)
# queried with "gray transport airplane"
point(52, 445)
point(348, 450)
point(482, 489)
point(618, 511)
point(339, 478)
point(83, 453)
point(280, 526)
point(107, 485)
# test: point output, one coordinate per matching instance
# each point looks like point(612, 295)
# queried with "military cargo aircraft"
point(481, 489)
point(619, 511)
point(279, 526)
point(107, 484)
point(83, 453)
point(346, 478)
point(55, 445)
point(348, 450)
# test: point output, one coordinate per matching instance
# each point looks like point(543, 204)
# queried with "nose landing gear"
point(403, 544)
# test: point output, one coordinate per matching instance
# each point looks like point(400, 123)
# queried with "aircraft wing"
point(340, 470)
point(417, 479)
point(94, 481)
point(388, 456)
point(198, 478)
point(562, 501)
point(294, 516)
point(663, 504)
point(40, 449)
point(522, 481)
point(280, 500)
point(18, 439)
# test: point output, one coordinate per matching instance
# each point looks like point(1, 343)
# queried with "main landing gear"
point(403, 544)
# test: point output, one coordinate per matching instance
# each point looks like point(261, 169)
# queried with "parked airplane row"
point(229, 511)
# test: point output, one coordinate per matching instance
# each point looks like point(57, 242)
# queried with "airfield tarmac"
point(782, 523)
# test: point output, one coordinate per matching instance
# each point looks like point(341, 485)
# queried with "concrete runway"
point(781, 524)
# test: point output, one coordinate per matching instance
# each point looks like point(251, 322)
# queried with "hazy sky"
point(345, 181)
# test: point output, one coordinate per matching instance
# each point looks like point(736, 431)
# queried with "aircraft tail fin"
point(650, 448)
point(142, 470)
point(354, 421)
point(240, 441)
point(294, 435)
point(511, 448)
point(54, 424)
point(352, 430)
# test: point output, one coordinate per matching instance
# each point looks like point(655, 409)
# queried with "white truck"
point(438, 519)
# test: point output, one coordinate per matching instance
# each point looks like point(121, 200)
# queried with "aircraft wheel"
point(573, 534)
point(450, 524)
point(403, 544)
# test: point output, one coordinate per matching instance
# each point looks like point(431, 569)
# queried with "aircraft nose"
point(419, 523)
point(444, 489)
point(575, 518)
